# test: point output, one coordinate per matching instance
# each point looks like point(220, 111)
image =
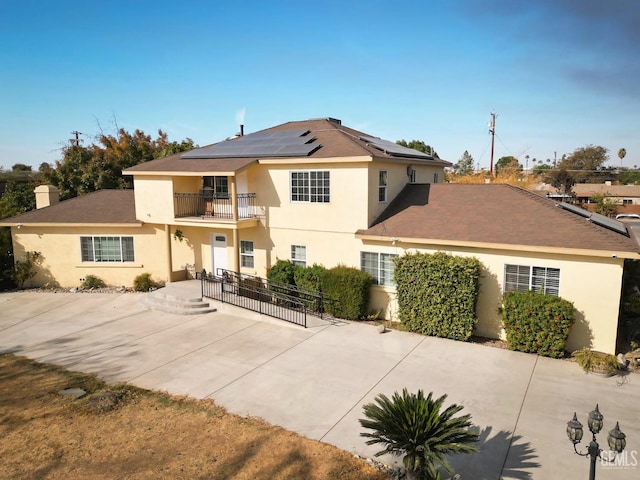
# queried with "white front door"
point(218, 252)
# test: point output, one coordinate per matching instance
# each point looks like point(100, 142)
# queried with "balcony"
point(208, 205)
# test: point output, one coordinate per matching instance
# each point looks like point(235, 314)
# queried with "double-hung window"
point(107, 249)
point(538, 279)
point(299, 255)
point(310, 186)
point(379, 265)
point(382, 186)
point(246, 253)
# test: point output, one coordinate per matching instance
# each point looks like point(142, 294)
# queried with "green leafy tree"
point(541, 169)
point(589, 158)
point(464, 166)
point(21, 167)
point(627, 177)
point(605, 205)
point(420, 146)
point(418, 428)
point(563, 181)
point(99, 166)
point(508, 163)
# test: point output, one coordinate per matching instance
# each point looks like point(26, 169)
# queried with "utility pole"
point(492, 130)
point(75, 141)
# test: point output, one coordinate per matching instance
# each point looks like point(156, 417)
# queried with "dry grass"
point(147, 435)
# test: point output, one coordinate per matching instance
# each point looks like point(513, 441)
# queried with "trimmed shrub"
point(282, 272)
point(537, 323)
point(437, 294)
point(143, 283)
point(348, 290)
point(93, 281)
point(310, 279)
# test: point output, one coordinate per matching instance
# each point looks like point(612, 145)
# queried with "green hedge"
point(310, 279)
point(537, 323)
point(437, 294)
point(348, 290)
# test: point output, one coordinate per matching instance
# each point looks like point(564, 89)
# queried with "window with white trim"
point(382, 186)
point(312, 186)
point(627, 201)
point(107, 249)
point(246, 253)
point(379, 265)
point(538, 279)
point(299, 255)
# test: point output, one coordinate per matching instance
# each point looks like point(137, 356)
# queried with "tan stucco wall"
point(61, 263)
point(154, 199)
point(593, 284)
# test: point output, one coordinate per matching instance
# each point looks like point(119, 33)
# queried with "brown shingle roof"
point(491, 214)
point(336, 139)
point(101, 207)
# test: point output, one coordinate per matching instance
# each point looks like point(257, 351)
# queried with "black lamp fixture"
point(616, 439)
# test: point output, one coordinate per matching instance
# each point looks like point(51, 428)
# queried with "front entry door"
point(218, 252)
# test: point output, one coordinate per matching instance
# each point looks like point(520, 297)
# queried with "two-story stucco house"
point(319, 192)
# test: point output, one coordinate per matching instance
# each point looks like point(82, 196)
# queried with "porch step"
point(181, 303)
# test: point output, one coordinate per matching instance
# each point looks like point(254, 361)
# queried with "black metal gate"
point(285, 302)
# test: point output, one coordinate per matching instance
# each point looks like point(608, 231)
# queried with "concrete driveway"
point(314, 381)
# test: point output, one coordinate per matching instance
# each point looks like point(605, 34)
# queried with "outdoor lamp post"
point(616, 438)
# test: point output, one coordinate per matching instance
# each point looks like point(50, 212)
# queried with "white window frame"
point(526, 277)
point(383, 180)
point(380, 266)
point(92, 251)
point(310, 186)
point(247, 258)
point(299, 255)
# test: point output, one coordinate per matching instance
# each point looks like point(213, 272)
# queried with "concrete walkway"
point(314, 381)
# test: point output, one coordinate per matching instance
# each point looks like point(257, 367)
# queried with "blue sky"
point(560, 74)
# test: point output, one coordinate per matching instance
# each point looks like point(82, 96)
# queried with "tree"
point(606, 206)
point(417, 427)
point(621, 154)
point(508, 163)
point(99, 166)
point(21, 167)
point(18, 198)
point(541, 169)
point(589, 158)
point(420, 146)
point(464, 166)
point(563, 181)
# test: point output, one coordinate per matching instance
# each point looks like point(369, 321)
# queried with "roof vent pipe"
point(241, 130)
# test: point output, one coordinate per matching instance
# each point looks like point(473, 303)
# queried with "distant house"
point(319, 192)
point(624, 195)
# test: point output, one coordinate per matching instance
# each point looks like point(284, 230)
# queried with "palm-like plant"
point(417, 427)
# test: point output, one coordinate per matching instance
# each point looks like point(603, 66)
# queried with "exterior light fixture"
point(616, 439)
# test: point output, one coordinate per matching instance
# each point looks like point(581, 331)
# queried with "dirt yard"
point(121, 432)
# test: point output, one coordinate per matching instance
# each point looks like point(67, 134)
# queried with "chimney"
point(46, 196)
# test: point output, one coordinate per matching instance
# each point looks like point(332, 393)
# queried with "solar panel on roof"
point(394, 149)
point(573, 209)
point(609, 223)
point(596, 218)
point(286, 143)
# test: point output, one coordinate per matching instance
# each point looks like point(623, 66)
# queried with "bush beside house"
point(537, 323)
point(437, 294)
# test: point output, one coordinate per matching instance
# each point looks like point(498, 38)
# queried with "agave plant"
point(414, 426)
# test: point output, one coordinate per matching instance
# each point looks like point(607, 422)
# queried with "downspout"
point(236, 233)
point(167, 230)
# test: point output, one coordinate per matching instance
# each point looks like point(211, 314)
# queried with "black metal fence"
point(278, 300)
point(211, 205)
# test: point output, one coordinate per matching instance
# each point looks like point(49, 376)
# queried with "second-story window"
point(312, 186)
point(219, 186)
point(382, 186)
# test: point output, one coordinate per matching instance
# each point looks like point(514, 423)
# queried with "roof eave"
point(634, 255)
